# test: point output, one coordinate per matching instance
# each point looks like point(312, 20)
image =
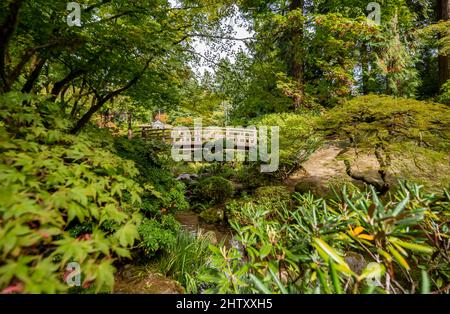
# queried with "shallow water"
point(191, 222)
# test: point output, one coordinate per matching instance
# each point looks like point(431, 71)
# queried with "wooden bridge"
point(192, 138)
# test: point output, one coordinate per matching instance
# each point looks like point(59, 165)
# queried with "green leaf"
point(260, 285)
point(425, 283)
point(265, 250)
point(278, 282)
point(335, 278)
point(127, 234)
point(425, 249)
point(323, 281)
point(122, 252)
point(400, 206)
point(104, 276)
point(399, 258)
point(319, 243)
point(372, 270)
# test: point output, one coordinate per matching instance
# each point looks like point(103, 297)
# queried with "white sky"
point(202, 48)
point(235, 45)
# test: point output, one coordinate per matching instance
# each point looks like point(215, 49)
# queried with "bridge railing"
point(243, 137)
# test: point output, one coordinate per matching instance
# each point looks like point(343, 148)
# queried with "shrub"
point(270, 198)
point(157, 236)
point(297, 138)
point(444, 97)
point(213, 215)
point(273, 193)
point(251, 177)
point(212, 190)
point(161, 190)
point(357, 243)
point(408, 138)
point(62, 199)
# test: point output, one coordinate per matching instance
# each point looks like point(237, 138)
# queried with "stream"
point(190, 221)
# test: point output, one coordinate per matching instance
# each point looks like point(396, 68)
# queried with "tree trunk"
point(60, 85)
point(106, 117)
point(296, 53)
point(444, 61)
point(28, 87)
point(87, 116)
point(365, 75)
point(130, 126)
point(102, 100)
point(7, 30)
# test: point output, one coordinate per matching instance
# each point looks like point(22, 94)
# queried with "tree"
point(444, 58)
point(119, 45)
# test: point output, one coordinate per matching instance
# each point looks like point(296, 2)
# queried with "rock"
point(304, 187)
point(273, 192)
point(136, 279)
point(356, 262)
point(184, 176)
point(213, 215)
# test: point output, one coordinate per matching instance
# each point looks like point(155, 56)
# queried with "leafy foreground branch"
point(62, 199)
point(356, 243)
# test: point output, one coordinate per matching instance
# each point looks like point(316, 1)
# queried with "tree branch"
point(59, 85)
point(102, 100)
point(7, 30)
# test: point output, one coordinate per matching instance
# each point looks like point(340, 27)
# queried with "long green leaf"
point(425, 283)
point(399, 258)
point(335, 278)
point(330, 251)
point(260, 285)
point(323, 281)
point(413, 246)
point(400, 206)
point(278, 282)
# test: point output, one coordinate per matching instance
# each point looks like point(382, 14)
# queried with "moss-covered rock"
point(304, 187)
point(213, 190)
point(213, 215)
point(278, 192)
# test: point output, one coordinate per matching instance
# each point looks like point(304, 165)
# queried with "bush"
point(251, 178)
point(297, 138)
point(273, 193)
point(357, 243)
point(213, 215)
point(444, 97)
point(409, 138)
point(158, 236)
point(62, 199)
point(212, 190)
point(161, 190)
point(270, 199)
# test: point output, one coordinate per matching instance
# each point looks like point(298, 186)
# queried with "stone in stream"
point(190, 221)
point(184, 176)
point(213, 215)
point(137, 279)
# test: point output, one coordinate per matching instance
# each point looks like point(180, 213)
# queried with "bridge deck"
point(195, 139)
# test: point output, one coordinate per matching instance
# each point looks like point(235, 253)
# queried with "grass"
point(185, 259)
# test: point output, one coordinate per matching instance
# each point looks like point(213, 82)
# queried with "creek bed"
point(190, 221)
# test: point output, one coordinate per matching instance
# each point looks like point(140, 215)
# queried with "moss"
point(409, 136)
point(213, 215)
point(279, 192)
point(212, 190)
